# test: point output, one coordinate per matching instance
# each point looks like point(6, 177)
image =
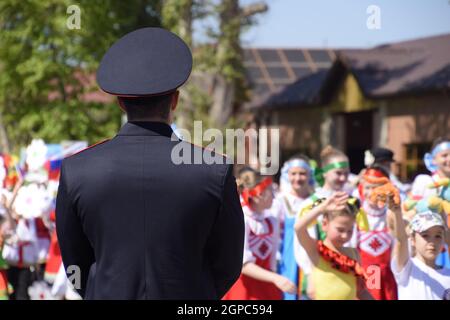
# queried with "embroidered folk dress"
point(286, 206)
point(375, 248)
point(260, 247)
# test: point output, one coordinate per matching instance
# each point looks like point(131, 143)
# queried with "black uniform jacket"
point(137, 224)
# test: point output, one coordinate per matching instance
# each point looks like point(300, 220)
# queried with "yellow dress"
point(332, 284)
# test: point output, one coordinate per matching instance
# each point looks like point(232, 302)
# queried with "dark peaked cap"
point(145, 62)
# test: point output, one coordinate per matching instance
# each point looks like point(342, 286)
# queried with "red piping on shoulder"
point(208, 149)
point(95, 144)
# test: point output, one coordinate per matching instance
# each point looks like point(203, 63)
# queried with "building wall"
point(421, 119)
point(300, 129)
point(397, 121)
point(310, 128)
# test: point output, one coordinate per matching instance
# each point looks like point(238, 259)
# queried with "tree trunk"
point(228, 54)
point(4, 142)
point(181, 24)
point(223, 97)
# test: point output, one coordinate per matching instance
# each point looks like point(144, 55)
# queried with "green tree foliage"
point(46, 69)
point(218, 58)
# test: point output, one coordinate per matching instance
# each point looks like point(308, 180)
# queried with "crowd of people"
point(320, 233)
point(30, 260)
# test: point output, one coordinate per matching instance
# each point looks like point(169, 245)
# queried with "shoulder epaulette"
point(91, 146)
point(210, 150)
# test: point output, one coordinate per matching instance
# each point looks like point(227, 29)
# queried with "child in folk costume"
point(375, 245)
point(259, 280)
point(246, 175)
point(32, 207)
point(331, 177)
point(296, 186)
point(383, 158)
point(26, 247)
point(438, 163)
point(336, 273)
point(9, 178)
point(21, 254)
point(18, 250)
point(22, 247)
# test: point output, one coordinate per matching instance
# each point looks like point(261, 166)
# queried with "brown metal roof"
point(270, 71)
point(411, 66)
point(294, 77)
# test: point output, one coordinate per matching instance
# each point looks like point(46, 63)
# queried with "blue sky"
point(342, 23)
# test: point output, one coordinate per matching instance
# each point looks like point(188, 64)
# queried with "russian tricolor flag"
point(57, 152)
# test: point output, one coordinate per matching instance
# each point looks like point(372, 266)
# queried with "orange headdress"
point(256, 190)
point(372, 176)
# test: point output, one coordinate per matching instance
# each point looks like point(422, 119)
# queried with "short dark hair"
point(145, 107)
point(378, 167)
point(245, 169)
